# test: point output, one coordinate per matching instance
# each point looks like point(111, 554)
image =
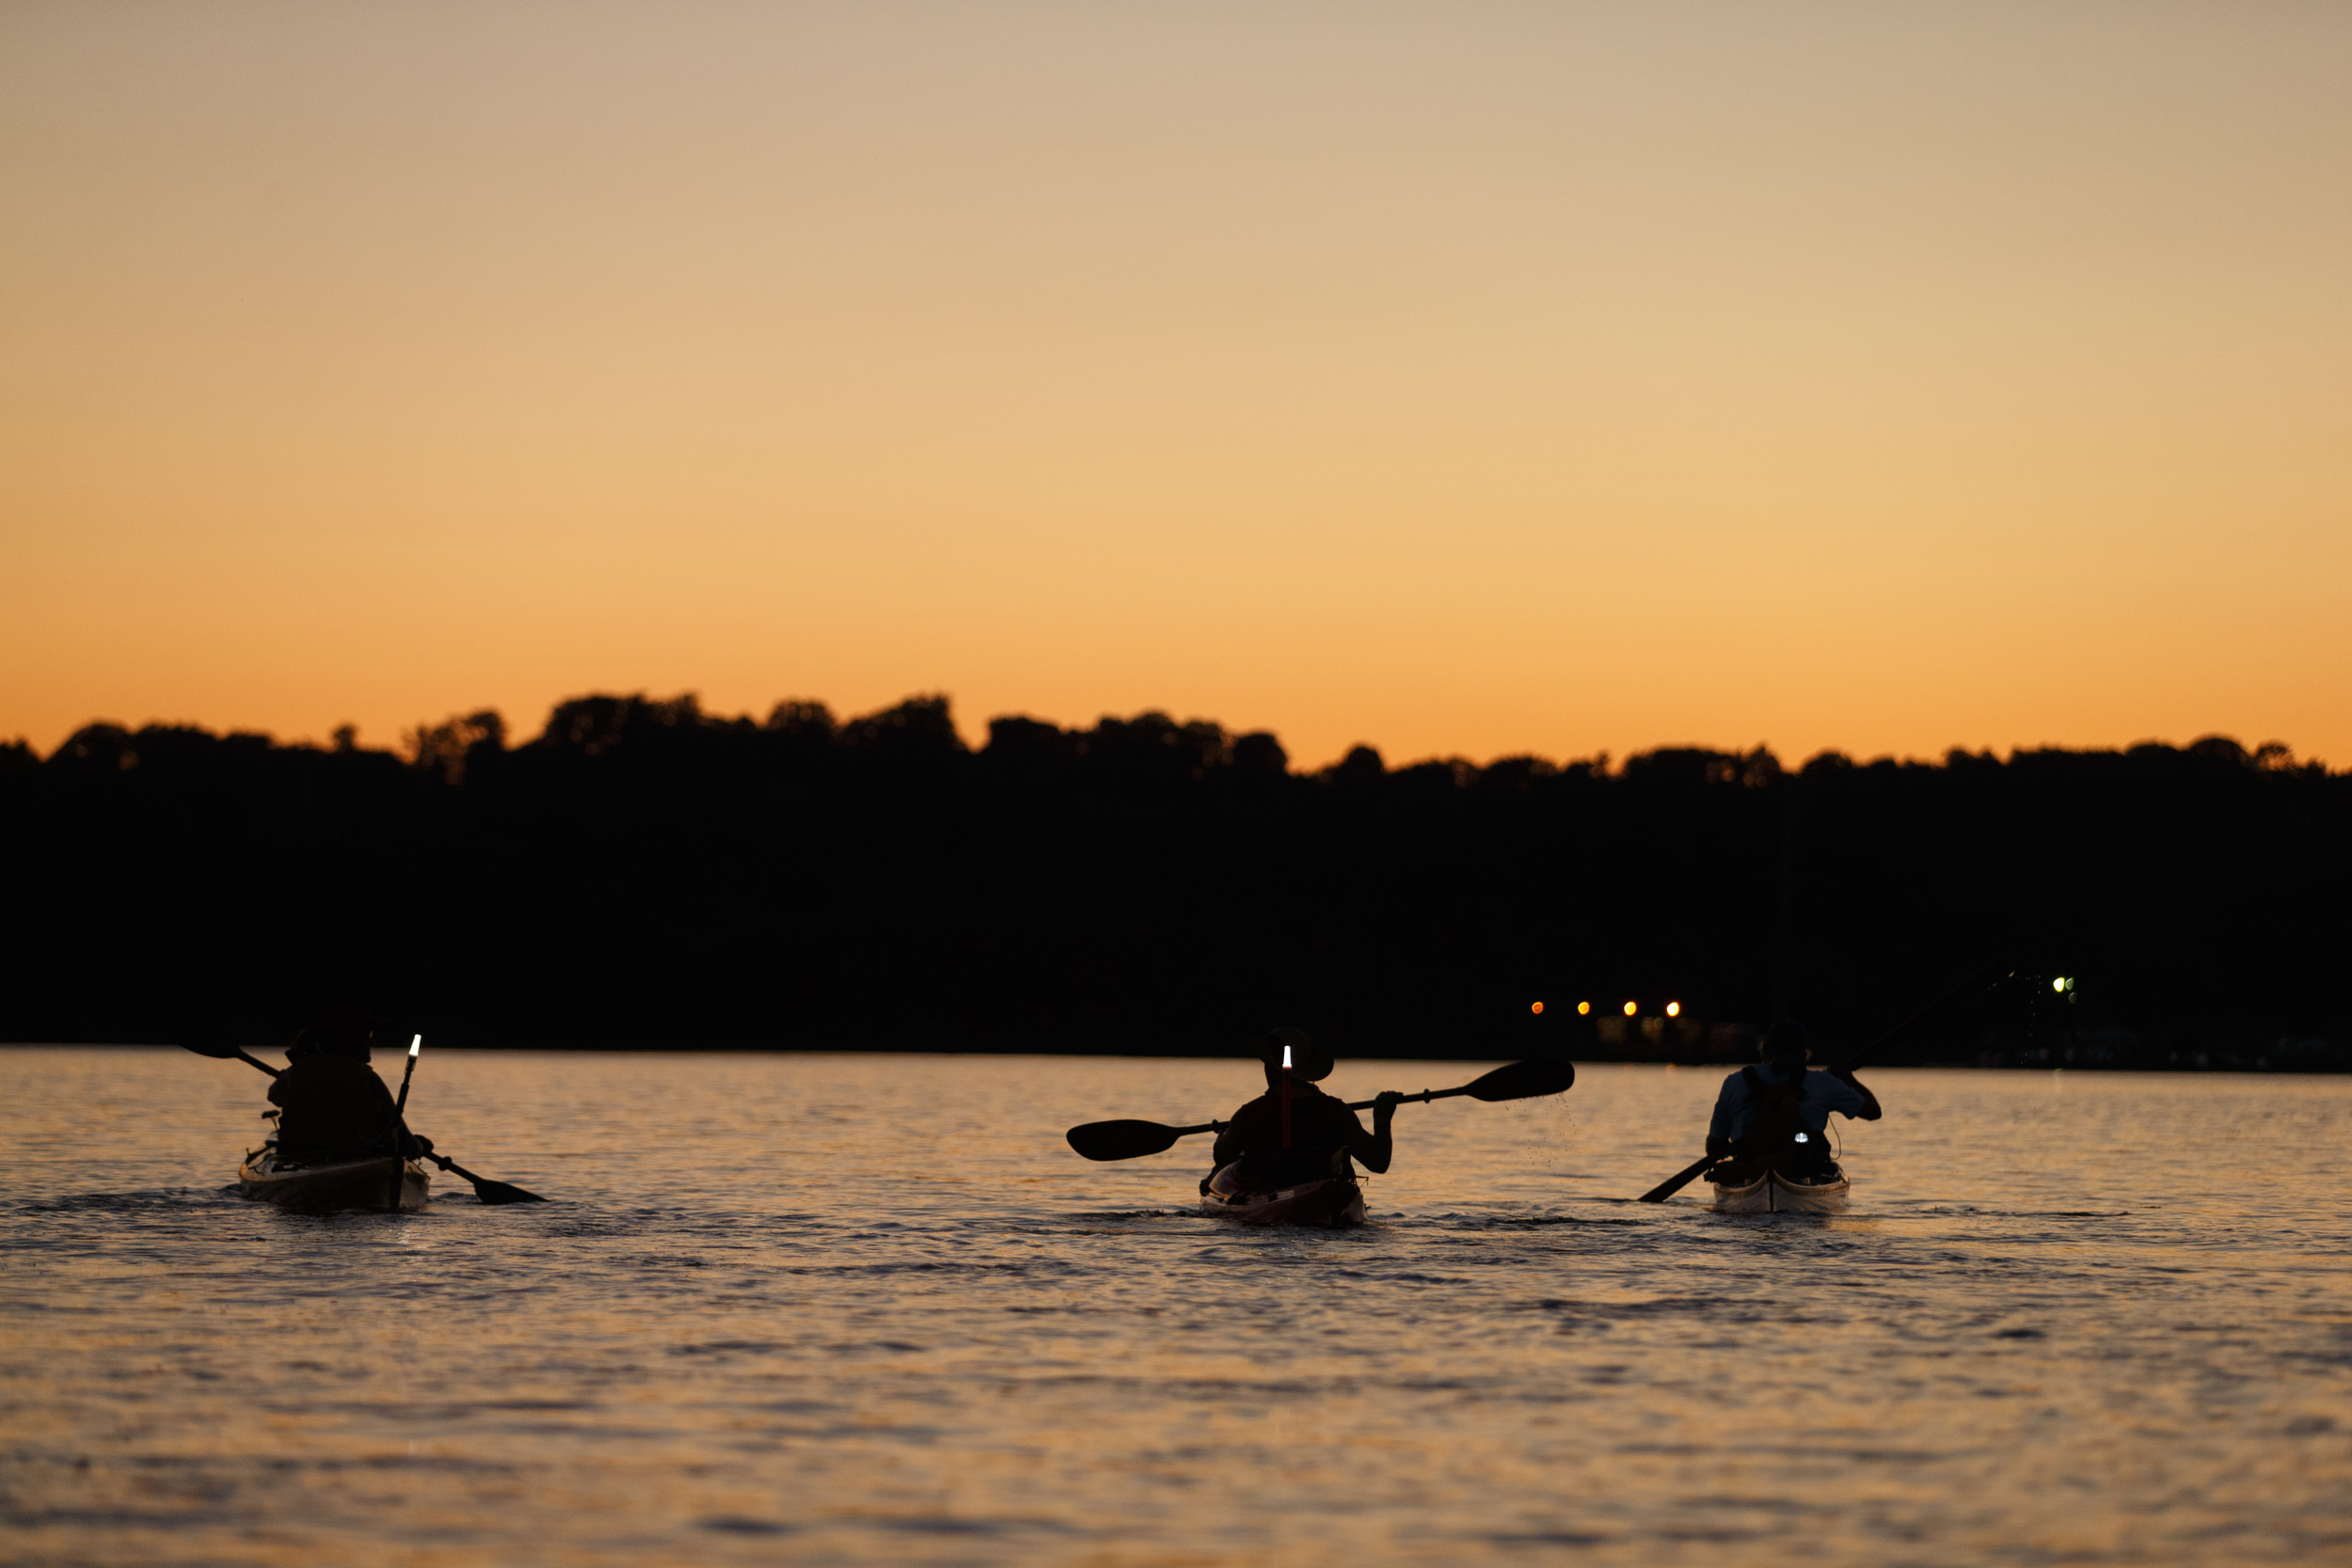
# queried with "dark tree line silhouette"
point(644, 873)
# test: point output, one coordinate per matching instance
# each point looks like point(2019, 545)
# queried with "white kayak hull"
point(1773, 1194)
point(382, 1184)
point(1335, 1204)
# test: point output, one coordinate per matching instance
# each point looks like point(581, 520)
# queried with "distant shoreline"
point(642, 870)
point(2328, 1058)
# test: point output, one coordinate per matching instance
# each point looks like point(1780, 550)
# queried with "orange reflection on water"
point(871, 1310)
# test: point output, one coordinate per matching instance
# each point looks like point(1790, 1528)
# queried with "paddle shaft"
point(1683, 1177)
point(1422, 1098)
point(1353, 1105)
point(1982, 976)
point(400, 1113)
point(456, 1169)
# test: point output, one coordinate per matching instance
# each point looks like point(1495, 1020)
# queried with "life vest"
point(1777, 1137)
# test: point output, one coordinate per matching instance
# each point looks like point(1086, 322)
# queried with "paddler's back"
point(333, 1104)
point(1321, 1127)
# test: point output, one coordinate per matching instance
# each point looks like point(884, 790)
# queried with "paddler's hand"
point(1384, 1110)
point(1719, 1147)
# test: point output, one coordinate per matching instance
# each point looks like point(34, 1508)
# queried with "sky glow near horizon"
point(1458, 380)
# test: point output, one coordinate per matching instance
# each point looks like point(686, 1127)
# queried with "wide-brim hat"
point(341, 1030)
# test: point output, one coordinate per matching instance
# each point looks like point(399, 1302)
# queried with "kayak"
point(364, 1183)
point(1333, 1203)
point(1776, 1194)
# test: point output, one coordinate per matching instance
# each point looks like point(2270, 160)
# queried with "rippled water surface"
point(871, 1310)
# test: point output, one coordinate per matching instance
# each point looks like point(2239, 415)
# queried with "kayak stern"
point(1774, 1193)
point(1335, 1203)
point(382, 1184)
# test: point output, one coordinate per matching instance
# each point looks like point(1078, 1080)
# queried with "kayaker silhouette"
point(332, 1104)
point(1295, 1133)
point(1775, 1117)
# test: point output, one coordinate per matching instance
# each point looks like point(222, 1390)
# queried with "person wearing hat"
point(1295, 1133)
point(332, 1105)
point(1776, 1115)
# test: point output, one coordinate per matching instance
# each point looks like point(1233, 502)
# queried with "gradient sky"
point(1459, 378)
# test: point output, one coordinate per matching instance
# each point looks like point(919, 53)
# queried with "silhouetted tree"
point(644, 872)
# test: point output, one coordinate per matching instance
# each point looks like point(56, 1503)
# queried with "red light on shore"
point(1583, 1007)
point(1674, 1009)
point(1536, 1008)
point(1630, 1008)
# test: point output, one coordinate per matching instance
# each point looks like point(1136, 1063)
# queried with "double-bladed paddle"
point(484, 1190)
point(1132, 1140)
point(1981, 977)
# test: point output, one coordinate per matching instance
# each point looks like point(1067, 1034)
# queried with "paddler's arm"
point(1733, 1095)
point(1869, 1111)
point(381, 1108)
point(1376, 1147)
point(1233, 1142)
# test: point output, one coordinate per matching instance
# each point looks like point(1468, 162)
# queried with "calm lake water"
point(867, 1309)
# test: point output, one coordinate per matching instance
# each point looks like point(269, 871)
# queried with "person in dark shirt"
point(1295, 1133)
point(332, 1104)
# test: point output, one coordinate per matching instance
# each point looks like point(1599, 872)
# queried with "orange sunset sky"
point(1459, 378)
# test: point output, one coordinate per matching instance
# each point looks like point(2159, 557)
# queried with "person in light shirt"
point(1776, 1115)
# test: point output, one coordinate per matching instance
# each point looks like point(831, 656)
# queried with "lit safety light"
point(1674, 1009)
point(1583, 1007)
point(1804, 1137)
point(2063, 984)
point(1286, 1059)
point(1536, 1008)
point(415, 1044)
point(1629, 1009)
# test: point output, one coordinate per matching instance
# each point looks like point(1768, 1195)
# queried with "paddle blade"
point(502, 1192)
point(485, 1190)
point(1524, 1081)
point(1121, 1140)
point(219, 1051)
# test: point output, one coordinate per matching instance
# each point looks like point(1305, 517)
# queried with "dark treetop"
point(646, 874)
